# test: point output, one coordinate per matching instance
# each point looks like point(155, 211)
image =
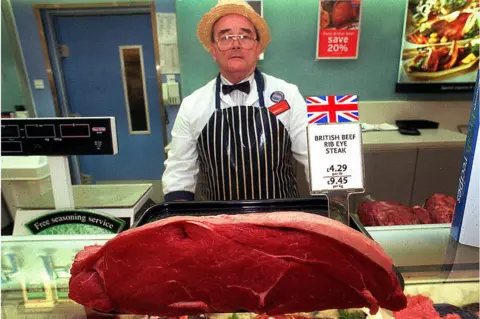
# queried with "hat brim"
point(204, 28)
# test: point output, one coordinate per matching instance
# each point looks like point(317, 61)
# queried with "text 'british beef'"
point(271, 263)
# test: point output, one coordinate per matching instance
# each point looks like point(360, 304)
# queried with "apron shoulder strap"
point(260, 87)
point(217, 92)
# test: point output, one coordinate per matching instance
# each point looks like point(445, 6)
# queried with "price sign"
point(335, 157)
point(338, 29)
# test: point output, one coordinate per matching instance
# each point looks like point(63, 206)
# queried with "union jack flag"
point(332, 109)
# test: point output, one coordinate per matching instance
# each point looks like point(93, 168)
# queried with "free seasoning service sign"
point(338, 31)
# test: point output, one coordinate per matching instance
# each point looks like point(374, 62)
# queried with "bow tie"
point(244, 87)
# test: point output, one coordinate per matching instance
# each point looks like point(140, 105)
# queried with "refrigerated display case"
point(35, 272)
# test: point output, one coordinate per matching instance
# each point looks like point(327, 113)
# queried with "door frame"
point(13, 42)
point(53, 65)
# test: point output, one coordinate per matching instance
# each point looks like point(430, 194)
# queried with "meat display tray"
point(315, 205)
point(318, 205)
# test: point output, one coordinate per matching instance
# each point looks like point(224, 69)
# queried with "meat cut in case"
point(269, 257)
point(437, 209)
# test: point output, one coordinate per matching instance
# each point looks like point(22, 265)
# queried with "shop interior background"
point(290, 55)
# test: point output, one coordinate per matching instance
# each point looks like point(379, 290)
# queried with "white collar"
point(248, 78)
point(252, 96)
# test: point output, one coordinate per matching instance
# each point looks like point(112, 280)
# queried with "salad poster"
point(440, 50)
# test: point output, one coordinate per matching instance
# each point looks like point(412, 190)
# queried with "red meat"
point(440, 207)
point(381, 213)
point(418, 307)
point(270, 263)
point(421, 307)
point(281, 317)
point(422, 215)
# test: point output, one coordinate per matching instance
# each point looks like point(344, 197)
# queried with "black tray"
point(416, 124)
point(317, 205)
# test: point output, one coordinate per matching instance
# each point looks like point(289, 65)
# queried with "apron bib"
point(245, 152)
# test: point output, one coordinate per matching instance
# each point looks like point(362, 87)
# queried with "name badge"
point(279, 108)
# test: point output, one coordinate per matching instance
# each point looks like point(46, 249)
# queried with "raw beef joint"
point(440, 207)
point(381, 213)
point(422, 215)
point(271, 263)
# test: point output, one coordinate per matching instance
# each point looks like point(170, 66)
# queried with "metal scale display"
point(58, 138)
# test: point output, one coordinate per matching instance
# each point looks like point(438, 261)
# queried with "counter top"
point(430, 261)
point(429, 138)
point(95, 196)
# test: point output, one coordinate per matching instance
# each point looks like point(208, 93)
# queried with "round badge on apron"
point(277, 96)
point(245, 152)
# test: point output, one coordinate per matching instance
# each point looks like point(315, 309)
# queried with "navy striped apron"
point(245, 152)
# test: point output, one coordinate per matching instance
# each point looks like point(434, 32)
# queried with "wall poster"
point(168, 43)
point(338, 30)
point(440, 46)
point(257, 5)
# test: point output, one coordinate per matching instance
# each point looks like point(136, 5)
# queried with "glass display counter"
point(35, 272)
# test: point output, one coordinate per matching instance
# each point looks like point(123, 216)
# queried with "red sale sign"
point(338, 29)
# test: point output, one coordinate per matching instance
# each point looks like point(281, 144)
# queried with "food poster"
point(338, 29)
point(440, 50)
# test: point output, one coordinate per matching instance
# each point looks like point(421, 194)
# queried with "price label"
point(335, 157)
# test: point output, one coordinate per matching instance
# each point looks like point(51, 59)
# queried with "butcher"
point(240, 132)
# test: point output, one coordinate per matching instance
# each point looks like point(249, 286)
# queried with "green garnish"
point(475, 49)
point(471, 34)
point(350, 315)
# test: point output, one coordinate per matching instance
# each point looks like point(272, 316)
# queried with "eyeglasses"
point(226, 42)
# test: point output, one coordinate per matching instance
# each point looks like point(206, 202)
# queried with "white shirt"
point(182, 164)
point(237, 96)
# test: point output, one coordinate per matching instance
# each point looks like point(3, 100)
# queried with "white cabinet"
point(437, 171)
point(389, 175)
point(410, 176)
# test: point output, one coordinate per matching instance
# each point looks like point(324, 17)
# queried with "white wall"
point(448, 113)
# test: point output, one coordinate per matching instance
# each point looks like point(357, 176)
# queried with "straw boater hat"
point(225, 7)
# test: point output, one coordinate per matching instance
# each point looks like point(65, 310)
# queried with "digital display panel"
point(40, 131)
point(74, 130)
point(10, 131)
point(11, 147)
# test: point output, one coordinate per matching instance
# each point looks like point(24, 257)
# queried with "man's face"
point(235, 60)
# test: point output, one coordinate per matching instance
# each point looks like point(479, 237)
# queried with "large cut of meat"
point(440, 207)
point(272, 263)
point(382, 213)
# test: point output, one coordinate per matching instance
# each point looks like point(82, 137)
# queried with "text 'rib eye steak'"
point(272, 263)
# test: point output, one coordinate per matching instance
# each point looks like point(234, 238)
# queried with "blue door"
point(109, 70)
